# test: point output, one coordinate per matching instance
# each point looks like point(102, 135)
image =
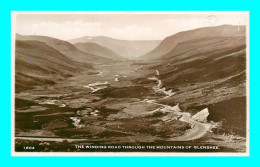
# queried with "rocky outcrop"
point(201, 116)
point(176, 108)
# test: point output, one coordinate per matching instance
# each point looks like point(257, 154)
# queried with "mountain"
point(37, 63)
point(208, 70)
point(65, 48)
point(125, 48)
point(169, 43)
point(96, 49)
point(210, 60)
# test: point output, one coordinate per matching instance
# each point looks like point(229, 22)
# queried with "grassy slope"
point(36, 63)
point(205, 63)
point(170, 43)
point(65, 48)
point(209, 72)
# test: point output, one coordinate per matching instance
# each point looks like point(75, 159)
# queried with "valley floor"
point(122, 104)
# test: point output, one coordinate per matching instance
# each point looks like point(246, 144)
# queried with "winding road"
point(198, 129)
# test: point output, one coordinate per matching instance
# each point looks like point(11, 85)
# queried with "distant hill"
point(171, 42)
point(37, 63)
point(65, 48)
point(96, 49)
point(125, 48)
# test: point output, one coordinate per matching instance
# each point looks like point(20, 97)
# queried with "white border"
point(195, 154)
point(13, 25)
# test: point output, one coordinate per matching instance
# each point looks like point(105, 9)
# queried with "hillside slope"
point(169, 43)
point(65, 48)
point(36, 63)
point(208, 73)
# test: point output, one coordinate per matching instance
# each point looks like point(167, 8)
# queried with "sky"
point(120, 25)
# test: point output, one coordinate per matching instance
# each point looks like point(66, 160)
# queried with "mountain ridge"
point(170, 42)
point(65, 48)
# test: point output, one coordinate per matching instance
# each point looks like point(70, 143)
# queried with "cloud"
point(78, 23)
point(130, 31)
point(169, 22)
point(68, 28)
point(72, 29)
point(183, 22)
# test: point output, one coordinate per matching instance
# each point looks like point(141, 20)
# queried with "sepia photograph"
point(134, 83)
